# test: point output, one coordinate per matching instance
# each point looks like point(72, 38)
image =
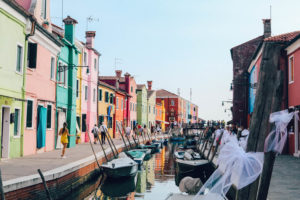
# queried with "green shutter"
point(16, 122)
point(49, 107)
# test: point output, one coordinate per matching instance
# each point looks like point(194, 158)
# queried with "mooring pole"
point(120, 131)
point(112, 142)
point(45, 185)
point(94, 150)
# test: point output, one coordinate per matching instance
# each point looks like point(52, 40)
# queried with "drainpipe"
point(31, 33)
point(56, 110)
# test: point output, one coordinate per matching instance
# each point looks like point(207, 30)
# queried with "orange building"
point(120, 107)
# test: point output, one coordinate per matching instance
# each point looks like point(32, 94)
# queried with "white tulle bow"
point(277, 137)
point(235, 167)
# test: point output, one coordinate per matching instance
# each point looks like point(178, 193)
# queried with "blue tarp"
point(41, 131)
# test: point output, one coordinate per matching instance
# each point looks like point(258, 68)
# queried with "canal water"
point(155, 180)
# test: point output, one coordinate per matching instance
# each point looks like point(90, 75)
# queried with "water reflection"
point(155, 180)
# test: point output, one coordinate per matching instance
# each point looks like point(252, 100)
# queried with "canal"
point(155, 180)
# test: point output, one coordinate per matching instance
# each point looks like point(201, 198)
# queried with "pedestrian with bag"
point(103, 130)
point(95, 132)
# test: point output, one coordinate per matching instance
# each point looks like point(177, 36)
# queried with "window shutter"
point(32, 52)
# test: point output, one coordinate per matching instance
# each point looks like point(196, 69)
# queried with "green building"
point(13, 57)
point(66, 80)
point(141, 104)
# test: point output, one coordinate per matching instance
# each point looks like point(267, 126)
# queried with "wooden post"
point(1, 187)
point(111, 141)
point(268, 99)
point(45, 185)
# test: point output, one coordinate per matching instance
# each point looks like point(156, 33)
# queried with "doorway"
point(5, 132)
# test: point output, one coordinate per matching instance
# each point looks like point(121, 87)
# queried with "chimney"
point(90, 37)
point(127, 82)
point(267, 28)
point(118, 73)
point(149, 85)
point(70, 29)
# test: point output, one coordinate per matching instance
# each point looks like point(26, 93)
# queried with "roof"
point(122, 79)
point(286, 37)
point(150, 93)
point(249, 41)
point(164, 93)
point(140, 86)
point(106, 85)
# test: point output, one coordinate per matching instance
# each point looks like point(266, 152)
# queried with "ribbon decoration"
point(277, 137)
point(235, 167)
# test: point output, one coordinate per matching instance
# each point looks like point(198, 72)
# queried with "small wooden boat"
point(137, 155)
point(180, 155)
point(189, 165)
point(120, 167)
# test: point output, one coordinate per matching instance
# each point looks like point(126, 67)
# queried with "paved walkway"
point(28, 165)
point(285, 182)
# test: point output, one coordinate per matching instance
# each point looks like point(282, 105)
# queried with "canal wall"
point(61, 181)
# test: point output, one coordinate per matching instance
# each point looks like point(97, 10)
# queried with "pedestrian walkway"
point(285, 182)
point(28, 165)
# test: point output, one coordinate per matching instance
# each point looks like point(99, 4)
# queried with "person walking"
point(128, 131)
point(64, 133)
point(103, 130)
point(95, 132)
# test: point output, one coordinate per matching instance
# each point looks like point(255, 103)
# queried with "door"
point(5, 132)
point(61, 119)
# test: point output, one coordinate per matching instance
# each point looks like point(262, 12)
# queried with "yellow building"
point(106, 109)
point(79, 137)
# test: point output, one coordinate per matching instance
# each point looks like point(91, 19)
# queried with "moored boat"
point(137, 155)
point(189, 165)
point(180, 196)
point(120, 167)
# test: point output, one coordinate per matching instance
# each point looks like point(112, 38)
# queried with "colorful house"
point(106, 105)
point(66, 79)
point(79, 93)
point(141, 104)
point(120, 103)
point(13, 58)
point(151, 102)
point(130, 88)
point(43, 50)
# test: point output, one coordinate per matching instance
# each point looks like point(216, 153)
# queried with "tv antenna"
point(90, 19)
point(117, 62)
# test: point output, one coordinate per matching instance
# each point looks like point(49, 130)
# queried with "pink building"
point(40, 87)
point(130, 88)
point(89, 85)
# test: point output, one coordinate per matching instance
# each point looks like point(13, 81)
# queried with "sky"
point(177, 43)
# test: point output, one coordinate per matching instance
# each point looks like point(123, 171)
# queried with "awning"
point(162, 121)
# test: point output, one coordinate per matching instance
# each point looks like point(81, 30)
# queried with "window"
point(131, 89)
point(172, 103)
point(61, 75)
point(130, 108)
point(291, 69)
point(77, 88)
point(94, 95)
point(66, 78)
point(106, 97)
point(153, 110)
point(31, 55)
point(17, 122)
point(85, 92)
point(85, 59)
point(100, 94)
point(52, 67)
point(44, 9)
point(117, 103)
point(95, 64)
point(101, 119)
point(19, 58)
point(122, 104)
point(29, 114)
point(49, 114)
point(111, 98)
point(125, 104)
point(149, 109)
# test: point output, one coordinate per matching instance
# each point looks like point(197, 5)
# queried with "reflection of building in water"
point(150, 173)
point(159, 164)
point(141, 180)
